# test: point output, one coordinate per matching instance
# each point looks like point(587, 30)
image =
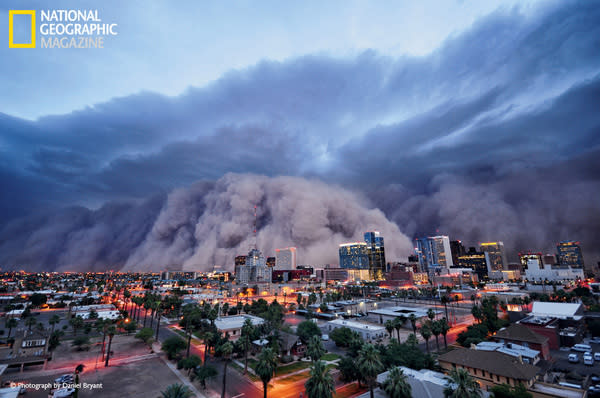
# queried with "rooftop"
point(236, 321)
point(406, 311)
point(518, 332)
point(557, 310)
point(357, 325)
point(491, 361)
point(511, 349)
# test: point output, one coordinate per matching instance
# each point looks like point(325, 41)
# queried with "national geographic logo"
point(60, 29)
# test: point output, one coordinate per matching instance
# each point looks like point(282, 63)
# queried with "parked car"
point(573, 358)
point(63, 392)
point(581, 348)
point(588, 359)
point(597, 356)
point(595, 340)
point(325, 337)
point(14, 384)
point(68, 378)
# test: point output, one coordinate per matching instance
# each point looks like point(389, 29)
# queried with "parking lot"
point(562, 362)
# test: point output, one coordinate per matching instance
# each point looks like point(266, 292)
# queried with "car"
point(16, 384)
point(573, 358)
point(595, 340)
point(581, 348)
point(597, 356)
point(68, 378)
point(325, 337)
point(588, 359)
point(595, 378)
point(63, 392)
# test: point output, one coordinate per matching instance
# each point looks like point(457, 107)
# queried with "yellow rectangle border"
point(11, 13)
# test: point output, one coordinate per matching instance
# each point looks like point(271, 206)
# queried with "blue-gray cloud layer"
point(495, 135)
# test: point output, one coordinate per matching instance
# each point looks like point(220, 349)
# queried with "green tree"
point(81, 342)
point(369, 365)
point(54, 340)
point(177, 391)
point(145, 334)
point(203, 373)
point(29, 322)
point(396, 385)
point(445, 301)
point(246, 338)
point(76, 323)
point(10, 324)
point(436, 330)
point(172, 346)
point(38, 299)
point(342, 337)
point(307, 329)
point(320, 383)
point(506, 391)
point(413, 322)
point(267, 363)
point(315, 349)
point(53, 321)
point(347, 368)
point(461, 385)
point(111, 333)
point(398, 323)
point(389, 326)
point(426, 333)
point(444, 329)
point(225, 351)
point(189, 363)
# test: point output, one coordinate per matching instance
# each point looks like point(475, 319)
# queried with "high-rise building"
point(569, 254)
point(376, 252)
point(285, 258)
point(496, 256)
point(254, 269)
point(434, 251)
point(354, 255)
point(530, 259)
point(476, 261)
point(457, 249)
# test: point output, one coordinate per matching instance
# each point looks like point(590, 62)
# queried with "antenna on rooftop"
point(255, 238)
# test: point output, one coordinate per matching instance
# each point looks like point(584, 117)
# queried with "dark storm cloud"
point(492, 136)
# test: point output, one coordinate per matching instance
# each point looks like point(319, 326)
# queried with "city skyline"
point(475, 120)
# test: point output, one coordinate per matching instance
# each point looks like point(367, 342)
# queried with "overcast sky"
point(475, 119)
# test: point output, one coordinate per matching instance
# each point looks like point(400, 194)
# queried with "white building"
point(366, 331)
point(233, 324)
point(526, 354)
point(536, 271)
point(285, 259)
point(391, 313)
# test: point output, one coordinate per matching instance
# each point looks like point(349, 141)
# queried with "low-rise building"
point(29, 348)
point(391, 313)
point(490, 367)
point(527, 355)
point(524, 336)
point(366, 331)
point(232, 325)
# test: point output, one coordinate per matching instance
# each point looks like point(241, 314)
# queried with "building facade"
point(569, 254)
point(376, 250)
point(434, 251)
point(495, 255)
point(285, 258)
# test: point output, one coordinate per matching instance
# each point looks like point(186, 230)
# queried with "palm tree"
point(426, 333)
point(430, 314)
point(111, 333)
point(226, 350)
point(389, 326)
point(246, 339)
point(413, 322)
point(461, 385)
point(320, 384)
point(369, 365)
point(445, 301)
point(267, 363)
point(315, 349)
point(177, 391)
point(55, 319)
point(396, 384)
point(398, 322)
point(444, 328)
point(10, 324)
point(29, 322)
point(436, 330)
